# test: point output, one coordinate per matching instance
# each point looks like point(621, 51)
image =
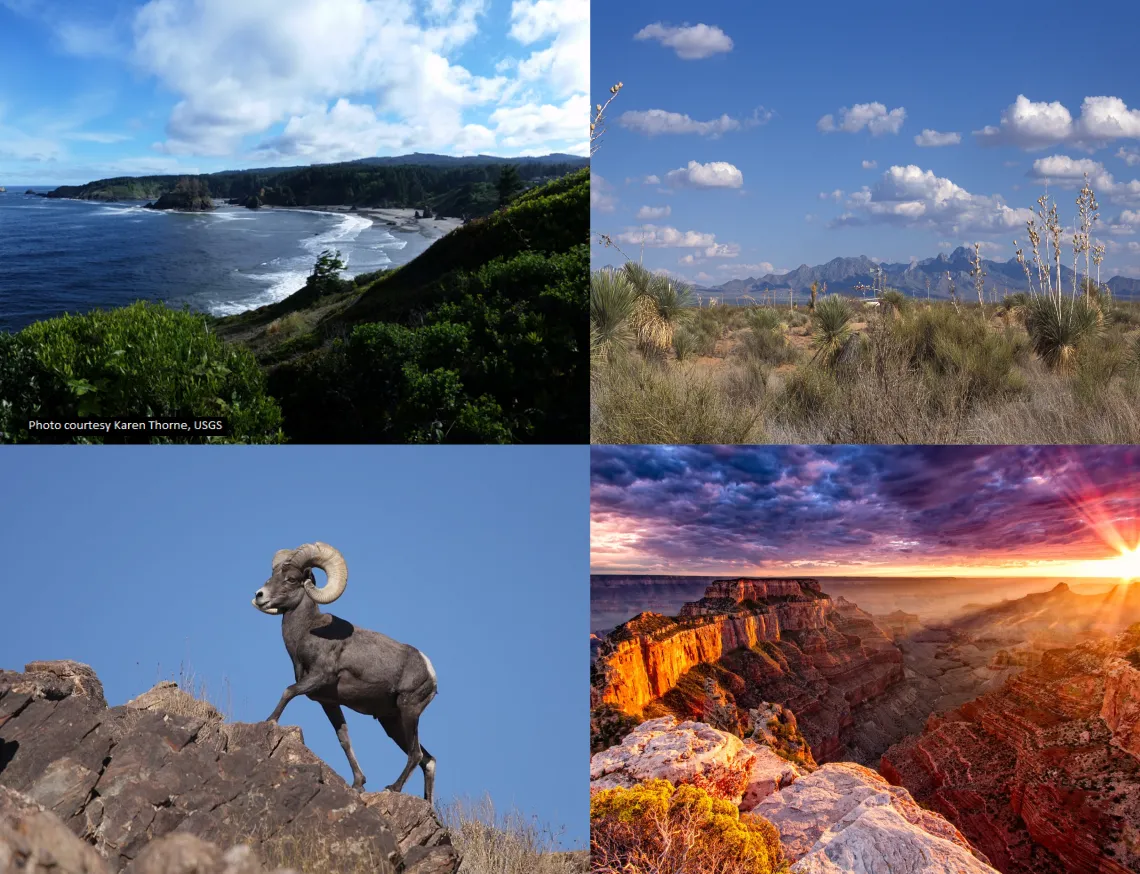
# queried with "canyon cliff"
point(1042, 775)
point(746, 642)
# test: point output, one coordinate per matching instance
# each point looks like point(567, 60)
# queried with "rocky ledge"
point(162, 779)
point(183, 202)
point(839, 817)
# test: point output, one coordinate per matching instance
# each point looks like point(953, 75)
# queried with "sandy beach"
point(402, 220)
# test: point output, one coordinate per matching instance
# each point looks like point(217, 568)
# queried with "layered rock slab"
point(122, 777)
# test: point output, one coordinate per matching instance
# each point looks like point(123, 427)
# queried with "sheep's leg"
point(302, 687)
point(336, 717)
point(403, 728)
point(427, 764)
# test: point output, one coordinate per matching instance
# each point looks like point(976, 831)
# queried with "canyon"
point(1017, 721)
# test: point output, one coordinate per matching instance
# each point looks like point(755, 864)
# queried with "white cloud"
point(240, 69)
point(1130, 217)
point(661, 237)
point(565, 65)
point(652, 180)
point(1064, 167)
point(1070, 172)
point(1131, 157)
point(746, 270)
point(1030, 125)
point(870, 165)
point(912, 197)
point(715, 174)
point(601, 197)
point(650, 213)
point(933, 138)
point(836, 195)
point(691, 43)
point(872, 116)
point(653, 122)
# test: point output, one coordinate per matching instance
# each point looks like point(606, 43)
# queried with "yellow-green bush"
point(655, 827)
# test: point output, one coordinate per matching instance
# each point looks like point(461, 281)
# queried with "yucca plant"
point(1059, 328)
point(893, 302)
point(662, 304)
point(613, 302)
point(831, 327)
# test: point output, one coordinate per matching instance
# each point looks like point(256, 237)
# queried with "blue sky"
point(757, 137)
point(136, 560)
point(122, 87)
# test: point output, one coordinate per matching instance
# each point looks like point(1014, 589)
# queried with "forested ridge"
point(450, 190)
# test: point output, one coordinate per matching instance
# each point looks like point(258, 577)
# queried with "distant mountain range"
point(429, 160)
point(844, 274)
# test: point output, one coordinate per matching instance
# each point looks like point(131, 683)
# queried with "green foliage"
point(831, 322)
point(136, 362)
point(609, 727)
point(509, 184)
point(612, 304)
point(1061, 328)
point(502, 363)
point(655, 827)
point(325, 278)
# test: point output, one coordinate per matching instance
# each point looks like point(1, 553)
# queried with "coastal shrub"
point(501, 362)
point(655, 827)
point(136, 362)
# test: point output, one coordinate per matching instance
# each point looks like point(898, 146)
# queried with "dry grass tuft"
point(494, 843)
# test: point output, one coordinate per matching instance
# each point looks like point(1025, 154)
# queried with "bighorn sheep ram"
point(337, 664)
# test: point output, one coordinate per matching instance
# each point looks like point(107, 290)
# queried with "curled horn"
point(327, 559)
point(281, 556)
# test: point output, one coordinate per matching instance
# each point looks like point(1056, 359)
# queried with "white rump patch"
point(430, 669)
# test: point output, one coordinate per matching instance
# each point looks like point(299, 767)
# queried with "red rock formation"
point(794, 648)
point(1042, 775)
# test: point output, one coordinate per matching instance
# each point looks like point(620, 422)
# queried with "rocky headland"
point(163, 784)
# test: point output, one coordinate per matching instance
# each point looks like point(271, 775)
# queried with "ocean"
point(61, 256)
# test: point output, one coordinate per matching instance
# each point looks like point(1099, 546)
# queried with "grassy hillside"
point(482, 338)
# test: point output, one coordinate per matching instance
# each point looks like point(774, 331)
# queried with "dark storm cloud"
point(704, 505)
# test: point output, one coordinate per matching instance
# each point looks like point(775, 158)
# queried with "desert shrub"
point(809, 392)
point(685, 343)
point(763, 319)
point(138, 362)
point(831, 326)
point(662, 305)
point(653, 827)
point(648, 402)
point(1060, 329)
point(798, 319)
point(893, 302)
point(769, 346)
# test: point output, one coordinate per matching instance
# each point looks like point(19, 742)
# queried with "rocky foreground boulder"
point(838, 817)
point(163, 784)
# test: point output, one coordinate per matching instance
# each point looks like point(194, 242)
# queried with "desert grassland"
point(910, 371)
point(1059, 363)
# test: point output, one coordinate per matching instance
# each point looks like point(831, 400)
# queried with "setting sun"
point(1126, 565)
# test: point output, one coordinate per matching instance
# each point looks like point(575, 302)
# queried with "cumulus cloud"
point(649, 213)
point(933, 138)
point(1070, 172)
point(601, 194)
point(872, 116)
point(836, 195)
point(1029, 125)
point(654, 122)
point(912, 197)
point(663, 237)
point(240, 69)
point(691, 43)
point(715, 174)
point(1131, 157)
point(870, 165)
